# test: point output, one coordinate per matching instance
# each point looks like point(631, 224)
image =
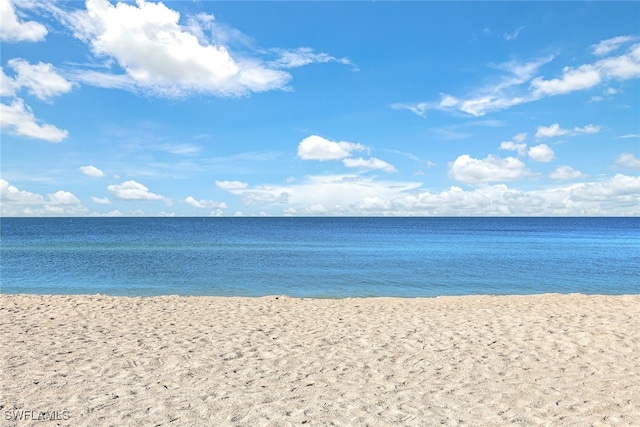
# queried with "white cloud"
point(490, 169)
point(132, 190)
point(513, 146)
point(205, 204)
point(335, 192)
point(14, 30)
point(19, 119)
point(587, 129)
point(40, 79)
point(91, 171)
point(517, 144)
point(520, 137)
point(565, 173)
point(231, 185)
point(11, 194)
point(7, 85)
point(494, 97)
point(583, 77)
point(510, 89)
point(622, 67)
point(101, 201)
point(607, 46)
point(541, 153)
point(356, 195)
point(103, 79)
point(628, 160)
point(487, 200)
point(586, 76)
point(114, 213)
point(630, 135)
point(63, 198)
point(551, 131)
point(181, 149)
point(372, 164)
point(163, 57)
point(617, 188)
point(304, 56)
point(420, 108)
point(15, 202)
point(555, 130)
point(315, 147)
point(513, 35)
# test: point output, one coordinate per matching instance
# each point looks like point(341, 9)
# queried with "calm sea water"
point(320, 257)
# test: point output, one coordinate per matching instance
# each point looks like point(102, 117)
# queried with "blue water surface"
point(319, 257)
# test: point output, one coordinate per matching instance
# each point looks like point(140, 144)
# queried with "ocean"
point(319, 257)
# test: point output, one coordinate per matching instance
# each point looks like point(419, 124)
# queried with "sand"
point(276, 361)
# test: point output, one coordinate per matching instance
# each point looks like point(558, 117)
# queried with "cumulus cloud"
point(583, 77)
point(18, 119)
point(113, 213)
point(513, 146)
point(315, 147)
point(63, 198)
point(41, 80)
point(617, 188)
point(550, 131)
point(490, 169)
point(335, 192)
point(628, 160)
point(101, 200)
point(555, 130)
point(516, 144)
point(587, 129)
point(165, 58)
point(357, 195)
point(7, 85)
point(565, 173)
point(16, 202)
point(132, 190)
point(541, 153)
point(12, 29)
point(371, 164)
point(11, 194)
point(91, 171)
point(205, 204)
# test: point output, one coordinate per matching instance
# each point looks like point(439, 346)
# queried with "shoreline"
point(320, 298)
point(543, 359)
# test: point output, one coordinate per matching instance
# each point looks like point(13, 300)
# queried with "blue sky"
point(199, 108)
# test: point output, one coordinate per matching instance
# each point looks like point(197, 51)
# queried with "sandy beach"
point(277, 361)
